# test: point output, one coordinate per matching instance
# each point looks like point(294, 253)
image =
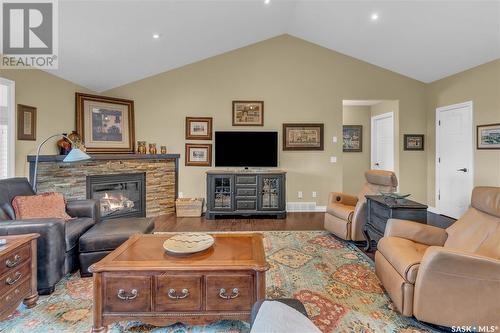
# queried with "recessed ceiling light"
point(374, 16)
point(156, 36)
point(267, 2)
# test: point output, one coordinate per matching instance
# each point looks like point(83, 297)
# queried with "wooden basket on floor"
point(189, 207)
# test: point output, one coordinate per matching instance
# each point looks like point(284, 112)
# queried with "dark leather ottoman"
point(106, 236)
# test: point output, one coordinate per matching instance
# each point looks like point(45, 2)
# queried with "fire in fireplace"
point(119, 195)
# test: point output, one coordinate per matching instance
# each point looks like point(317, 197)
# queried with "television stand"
point(246, 193)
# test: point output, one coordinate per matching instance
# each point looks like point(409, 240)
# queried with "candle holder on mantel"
point(163, 150)
point(152, 148)
point(141, 147)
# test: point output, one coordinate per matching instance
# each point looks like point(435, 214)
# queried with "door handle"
point(377, 164)
point(463, 170)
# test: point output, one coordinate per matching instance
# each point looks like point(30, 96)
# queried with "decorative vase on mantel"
point(141, 147)
point(152, 148)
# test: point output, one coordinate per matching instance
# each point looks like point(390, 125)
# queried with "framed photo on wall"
point(303, 136)
point(352, 136)
point(198, 154)
point(488, 136)
point(248, 113)
point(198, 128)
point(105, 124)
point(414, 142)
point(26, 122)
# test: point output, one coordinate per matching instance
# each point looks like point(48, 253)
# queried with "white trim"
point(302, 207)
point(11, 168)
point(433, 210)
point(373, 135)
point(470, 105)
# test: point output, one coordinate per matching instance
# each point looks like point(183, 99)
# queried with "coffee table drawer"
point(15, 258)
point(13, 278)
point(127, 294)
point(178, 292)
point(229, 292)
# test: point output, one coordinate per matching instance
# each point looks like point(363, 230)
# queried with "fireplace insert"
point(119, 195)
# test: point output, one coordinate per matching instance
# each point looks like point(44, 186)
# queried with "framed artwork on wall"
point(199, 128)
point(198, 154)
point(105, 124)
point(248, 113)
point(352, 138)
point(488, 136)
point(414, 142)
point(303, 136)
point(26, 122)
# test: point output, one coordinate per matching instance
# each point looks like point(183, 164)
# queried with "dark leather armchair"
point(57, 247)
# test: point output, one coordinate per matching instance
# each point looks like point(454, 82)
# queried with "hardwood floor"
point(293, 221)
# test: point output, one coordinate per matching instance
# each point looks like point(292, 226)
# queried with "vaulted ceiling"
point(105, 44)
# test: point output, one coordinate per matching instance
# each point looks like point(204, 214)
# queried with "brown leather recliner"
point(448, 277)
point(346, 214)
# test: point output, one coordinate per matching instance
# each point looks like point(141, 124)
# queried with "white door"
point(454, 159)
point(382, 155)
point(7, 128)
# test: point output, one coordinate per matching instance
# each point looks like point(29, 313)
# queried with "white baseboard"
point(433, 210)
point(304, 207)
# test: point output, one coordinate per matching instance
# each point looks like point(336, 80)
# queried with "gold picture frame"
point(199, 128)
point(198, 154)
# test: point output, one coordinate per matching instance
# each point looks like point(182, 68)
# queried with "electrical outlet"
point(333, 159)
point(314, 194)
point(181, 195)
point(300, 195)
point(334, 139)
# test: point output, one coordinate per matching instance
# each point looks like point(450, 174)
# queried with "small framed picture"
point(488, 136)
point(198, 128)
point(352, 136)
point(105, 124)
point(26, 122)
point(303, 136)
point(414, 142)
point(248, 113)
point(198, 154)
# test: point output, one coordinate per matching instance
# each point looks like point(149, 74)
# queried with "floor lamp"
point(75, 155)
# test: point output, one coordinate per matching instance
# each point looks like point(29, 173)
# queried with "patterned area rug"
point(335, 281)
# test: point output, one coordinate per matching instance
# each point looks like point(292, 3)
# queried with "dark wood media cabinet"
point(246, 193)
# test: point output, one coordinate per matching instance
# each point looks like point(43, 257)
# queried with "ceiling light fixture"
point(374, 17)
point(156, 36)
point(267, 2)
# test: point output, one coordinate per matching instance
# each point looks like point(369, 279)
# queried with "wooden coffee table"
point(140, 281)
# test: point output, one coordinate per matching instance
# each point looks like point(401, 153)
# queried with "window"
point(7, 128)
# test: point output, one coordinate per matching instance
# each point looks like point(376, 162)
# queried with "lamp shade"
point(76, 155)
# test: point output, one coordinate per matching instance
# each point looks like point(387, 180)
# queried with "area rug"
point(334, 279)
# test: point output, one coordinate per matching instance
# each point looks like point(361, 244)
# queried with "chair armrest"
point(342, 198)
point(417, 232)
point(83, 208)
point(463, 286)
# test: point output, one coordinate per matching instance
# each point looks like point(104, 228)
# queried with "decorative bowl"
point(188, 243)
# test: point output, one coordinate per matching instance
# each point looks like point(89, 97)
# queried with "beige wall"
point(54, 99)
point(356, 163)
point(299, 82)
point(481, 85)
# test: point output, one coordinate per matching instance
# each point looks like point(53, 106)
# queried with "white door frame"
point(11, 169)
point(470, 105)
point(374, 134)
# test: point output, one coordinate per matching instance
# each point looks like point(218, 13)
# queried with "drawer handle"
point(173, 295)
point(234, 293)
point(13, 263)
point(122, 294)
point(10, 281)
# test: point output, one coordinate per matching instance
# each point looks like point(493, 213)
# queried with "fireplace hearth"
point(119, 195)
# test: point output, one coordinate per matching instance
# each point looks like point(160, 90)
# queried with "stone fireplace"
point(158, 173)
point(120, 195)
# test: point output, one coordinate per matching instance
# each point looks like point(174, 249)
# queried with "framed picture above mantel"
point(105, 124)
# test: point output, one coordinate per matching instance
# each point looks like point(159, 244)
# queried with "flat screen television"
point(246, 149)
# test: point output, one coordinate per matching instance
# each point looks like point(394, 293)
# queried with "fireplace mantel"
point(161, 171)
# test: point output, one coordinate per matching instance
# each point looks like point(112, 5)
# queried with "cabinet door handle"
point(10, 281)
point(234, 293)
point(173, 295)
point(13, 263)
point(122, 294)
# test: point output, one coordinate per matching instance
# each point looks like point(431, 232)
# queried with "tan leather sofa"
point(346, 214)
point(448, 277)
